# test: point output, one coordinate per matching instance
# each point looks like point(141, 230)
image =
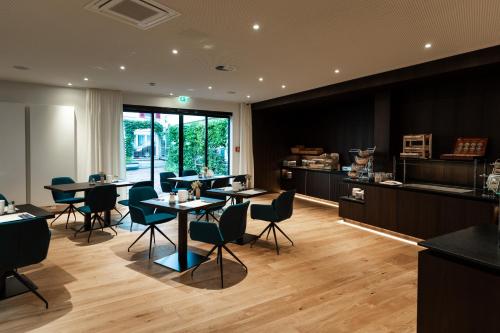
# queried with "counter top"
point(472, 195)
point(316, 170)
point(478, 245)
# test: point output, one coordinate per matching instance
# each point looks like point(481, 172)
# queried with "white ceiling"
point(300, 43)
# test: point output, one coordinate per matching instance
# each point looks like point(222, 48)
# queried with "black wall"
point(463, 102)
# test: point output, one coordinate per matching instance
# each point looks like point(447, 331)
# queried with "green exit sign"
point(183, 99)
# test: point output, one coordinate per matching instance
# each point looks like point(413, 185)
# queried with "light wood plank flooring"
point(336, 279)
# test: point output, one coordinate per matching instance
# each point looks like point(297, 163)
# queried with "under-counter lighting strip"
point(331, 204)
point(383, 234)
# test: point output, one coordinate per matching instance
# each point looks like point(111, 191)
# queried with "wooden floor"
point(336, 279)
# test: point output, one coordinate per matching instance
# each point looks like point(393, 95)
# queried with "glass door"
point(166, 139)
point(194, 143)
point(218, 145)
point(138, 145)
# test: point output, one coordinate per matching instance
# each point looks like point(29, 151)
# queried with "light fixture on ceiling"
point(336, 71)
point(283, 86)
point(175, 51)
point(225, 68)
point(256, 26)
point(248, 96)
point(261, 79)
point(171, 94)
point(70, 84)
point(209, 87)
point(428, 45)
point(85, 79)
point(122, 67)
point(191, 89)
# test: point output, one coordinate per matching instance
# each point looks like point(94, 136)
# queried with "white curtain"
point(100, 134)
point(246, 147)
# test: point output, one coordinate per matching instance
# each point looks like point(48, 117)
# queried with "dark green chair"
point(167, 185)
point(240, 179)
point(232, 225)
point(96, 177)
point(210, 212)
point(279, 210)
point(146, 215)
point(65, 198)
point(2, 197)
point(125, 202)
point(23, 243)
point(185, 185)
point(100, 199)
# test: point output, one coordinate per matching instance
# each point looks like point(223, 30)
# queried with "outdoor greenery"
point(194, 143)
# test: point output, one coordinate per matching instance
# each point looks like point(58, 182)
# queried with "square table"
point(9, 285)
point(239, 196)
point(86, 187)
point(183, 259)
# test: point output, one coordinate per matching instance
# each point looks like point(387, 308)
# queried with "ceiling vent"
point(142, 14)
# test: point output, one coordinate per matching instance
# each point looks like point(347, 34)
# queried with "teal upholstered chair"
point(146, 215)
point(279, 210)
point(23, 243)
point(231, 227)
point(125, 202)
point(100, 199)
point(2, 197)
point(167, 185)
point(65, 198)
point(185, 185)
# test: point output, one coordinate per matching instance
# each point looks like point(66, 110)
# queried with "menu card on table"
point(194, 204)
point(16, 217)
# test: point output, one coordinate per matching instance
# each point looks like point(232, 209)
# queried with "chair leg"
point(30, 287)
point(235, 257)
point(276, 240)
point(131, 224)
point(67, 218)
point(58, 216)
point(118, 211)
point(128, 250)
point(279, 229)
point(213, 216)
point(92, 228)
point(161, 232)
point(151, 236)
point(260, 235)
point(268, 232)
point(104, 225)
point(204, 259)
point(221, 268)
point(124, 216)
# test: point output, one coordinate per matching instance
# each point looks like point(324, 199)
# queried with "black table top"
point(195, 178)
point(478, 245)
point(179, 207)
point(33, 210)
point(85, 186)
point(228, 191)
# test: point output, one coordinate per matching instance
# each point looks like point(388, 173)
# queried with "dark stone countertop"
point(316, 170)
point(472, 195)
point(476, 245)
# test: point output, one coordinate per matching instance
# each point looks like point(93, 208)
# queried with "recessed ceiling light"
point(190, 89)
point(171, 94)
point(283, 86)
point(85, 79)
point(70, 84)
point(175, 51)
point(248, 96)
point(255, 26)
point(428, 45)
point(261, 79)
point(336, 71)
point(209, 87)
point(122, 67)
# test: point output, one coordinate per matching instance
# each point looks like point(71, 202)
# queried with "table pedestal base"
point(173, 261)
point(246, 239)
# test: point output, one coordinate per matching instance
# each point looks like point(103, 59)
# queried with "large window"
point(158, 140)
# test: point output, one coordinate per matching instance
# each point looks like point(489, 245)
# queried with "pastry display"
point(467, 149)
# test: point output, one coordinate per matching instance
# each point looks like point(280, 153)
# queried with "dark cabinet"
point(300, 180)
point(338, 188)
point(318, 185)
point(381, 209)
point(352, 209)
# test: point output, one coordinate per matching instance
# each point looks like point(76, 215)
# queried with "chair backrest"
point(145, 183)
point(218, 183)
point(62, 195)
point(240, 179)
point(96, 177)
point(283, 205)
point(2, 197)
point(101, 198)
point(166, 184)
point(23, 243)
point(186, 173)
point(233, 221)
point(137, 209)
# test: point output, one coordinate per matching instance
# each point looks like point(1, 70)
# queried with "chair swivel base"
point(272, 226)
point(151, 229)
point(95, 218)
point(15, 284)
point(71, 209)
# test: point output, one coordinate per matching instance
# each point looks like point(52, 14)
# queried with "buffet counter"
point(421, 212)
point(459, 282)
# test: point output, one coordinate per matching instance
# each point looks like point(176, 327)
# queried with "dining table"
point(183, 259)
point(202, 178)
point(238, 196)
point(85, 187)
